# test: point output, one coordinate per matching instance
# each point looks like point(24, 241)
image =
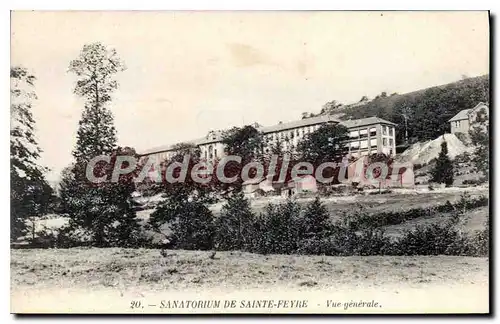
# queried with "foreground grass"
point(144, 269)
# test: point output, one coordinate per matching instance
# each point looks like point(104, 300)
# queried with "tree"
point(326, 144)
point(183, 208)
point(480, 139)
point(330, 107)
point(234, 224)
point(104, 210)
point(186, 149)
point(190, 221)
point(430, 108)
point(443, 170)
point(30, 193)
point(95, 68)
point(279, 228)
point(315, 221)
point(248, 144)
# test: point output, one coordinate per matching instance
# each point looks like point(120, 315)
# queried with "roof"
point(169, 147)
point(216, 136)
point(212, 137)
point(479, 105)
point(299, 123)
point(365, 122)
point(463, 114)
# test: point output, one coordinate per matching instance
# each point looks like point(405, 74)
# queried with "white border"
point(197, 5)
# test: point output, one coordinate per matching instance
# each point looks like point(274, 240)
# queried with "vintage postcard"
point(279, 162)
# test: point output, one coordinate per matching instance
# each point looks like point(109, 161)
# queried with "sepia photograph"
point(250, 162)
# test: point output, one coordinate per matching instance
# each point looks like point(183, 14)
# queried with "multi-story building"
point(366, 136)
point(468, 118)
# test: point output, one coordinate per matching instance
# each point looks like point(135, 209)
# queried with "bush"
point(434, 239)
point(363, 220)
point(473, 182)
point(368, 241)
point(279, 229)
point(315, 221)
point(234, 225)
point(382, 192)
point(479, 244)
point(191, 223)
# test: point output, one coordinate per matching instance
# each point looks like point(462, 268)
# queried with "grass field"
point(107, 279)
point(147, 268)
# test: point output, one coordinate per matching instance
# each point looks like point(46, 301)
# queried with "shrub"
point(234, 225)
point(382, 192)
point(471, 182)
point(279, 228)
point(368, 241)
point(315, 221)
point(434, 239)
point(479, 244)
point(191, 223)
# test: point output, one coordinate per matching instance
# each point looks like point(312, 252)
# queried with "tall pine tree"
point(95, 69)
point(104, 211)
point(30, 193)
point(443, 170)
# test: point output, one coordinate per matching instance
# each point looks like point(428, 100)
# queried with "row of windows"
point(387, 130)
point(384, 142)
point(284, 136)
point(363, 133)
point(287, 135)
point(373, 143)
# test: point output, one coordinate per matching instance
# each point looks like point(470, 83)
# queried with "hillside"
point(429, 109)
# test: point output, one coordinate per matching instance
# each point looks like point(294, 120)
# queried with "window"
point(215, 152)
point(373, 131)
point(364, 144)
point(363, 133)
point(392, 131)
point(390, 142)
point(373, 142)
point(210, 152)
point(384, 141)
point(384, 130)
point(354, 134)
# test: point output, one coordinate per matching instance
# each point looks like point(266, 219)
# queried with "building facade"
point(468, 118)
point(366, 136)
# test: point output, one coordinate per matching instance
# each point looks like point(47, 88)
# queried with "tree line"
point(427, 111)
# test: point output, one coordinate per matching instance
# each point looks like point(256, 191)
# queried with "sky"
point(192, 72)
